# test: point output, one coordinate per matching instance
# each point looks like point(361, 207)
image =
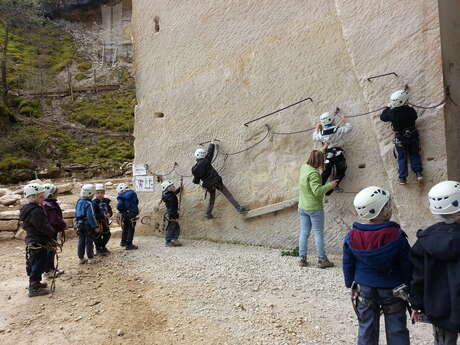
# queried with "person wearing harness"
point(55, 219)
point(204, 171)
point(169, 197)
point(407, 141)
point(435, 287)
point(331, 134)
point(128, 206)
point(376, 259)
point(39, 233)
point(103, 212)
point(86, 224)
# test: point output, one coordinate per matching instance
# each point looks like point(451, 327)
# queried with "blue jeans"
point(172, 231)
point(85, 243)
point(369, 324)
point(410, 151)
point(311, 220)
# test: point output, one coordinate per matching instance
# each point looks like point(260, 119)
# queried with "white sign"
point(139, 170)
point(144, 184)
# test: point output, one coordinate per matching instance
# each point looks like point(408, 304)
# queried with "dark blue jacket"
point(385, 261)
point(128, 204)
point(102, 208)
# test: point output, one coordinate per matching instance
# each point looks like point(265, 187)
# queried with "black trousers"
point(128, 229)
point(36, 263)
point(212, 196)
point(340, 164)
point(172, 232)
point(102, 240)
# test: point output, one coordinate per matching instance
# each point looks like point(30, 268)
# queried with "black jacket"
point(204, 171)
point(435, 286)
point(102, 207)
point(401, 118)
point(172, 203)
point(35, 223)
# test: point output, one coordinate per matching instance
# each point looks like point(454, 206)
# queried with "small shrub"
point(80, 76)
point(30, 106)
point(84, 66)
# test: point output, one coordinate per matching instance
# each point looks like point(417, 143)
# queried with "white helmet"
point(326, 119)
point(87, 191)
point(122, 187)
point(399, 98)
point(200, 153)
point(99, 186)
point(50, 189)
point(33, 189)
point(166, 184)
point(370, 202)
point(444, 198)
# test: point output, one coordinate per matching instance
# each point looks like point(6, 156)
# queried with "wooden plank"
point(271, 208)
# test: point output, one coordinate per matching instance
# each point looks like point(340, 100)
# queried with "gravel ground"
point(251, 295)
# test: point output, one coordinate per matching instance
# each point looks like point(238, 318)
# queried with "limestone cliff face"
point(213, 65)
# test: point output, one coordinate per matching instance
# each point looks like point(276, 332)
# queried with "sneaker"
point(324, 263)
point(122, 244)
point(131, 247)
point(402, 180)
point(338, 189)
point(176, 243)
point(303, 261)
point(83, 261)
point(169, 244)
point(243, 209)
point(419, 177)
point(35, 289)
point(92, 261)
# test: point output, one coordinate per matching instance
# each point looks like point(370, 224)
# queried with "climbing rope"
point(53, 246)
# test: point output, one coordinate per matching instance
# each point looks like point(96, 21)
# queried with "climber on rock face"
point(332, 134)
point(407, 142)
point(204, 171)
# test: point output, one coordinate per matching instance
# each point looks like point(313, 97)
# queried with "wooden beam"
point(271, 208)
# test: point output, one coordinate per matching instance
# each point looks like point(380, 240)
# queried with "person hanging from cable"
point(54, 213)
point(331, 133)
point(103, 212)
point(169, 197)
point(211, 180)
point(128, 206)
point(407, 142)
point(39, 234)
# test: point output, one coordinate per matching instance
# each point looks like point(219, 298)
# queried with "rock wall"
point(204, 69)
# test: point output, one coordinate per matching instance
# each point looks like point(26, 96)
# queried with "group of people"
point(43, 221)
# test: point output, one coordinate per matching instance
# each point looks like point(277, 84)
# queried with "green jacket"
point(311, 189)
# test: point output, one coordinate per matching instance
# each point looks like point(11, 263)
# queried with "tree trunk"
point(3, 66)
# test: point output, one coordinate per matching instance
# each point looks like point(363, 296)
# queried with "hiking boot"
point(169, 244)
point(36, 289)
point(419, 177)
point(243, 209)
point(83, 261)
point(402, 180)
point(122, 244)
point(101, 253)
point(131, 247)
point(303, 261)
point(176, 243)
point(324, 263)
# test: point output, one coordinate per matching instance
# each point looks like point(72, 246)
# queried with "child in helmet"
point(54, 213)
point(436, 259)
point(169, 197)
point(212, 181)
point(86, 224)
point(103, 212)
point(331, 134)
point(375, 261)
point(128, 206)
point(407, 143)
point(39, 234)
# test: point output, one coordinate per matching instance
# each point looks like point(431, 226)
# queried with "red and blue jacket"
point(376, 255)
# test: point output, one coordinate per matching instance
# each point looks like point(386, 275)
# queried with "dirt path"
point(203, 293)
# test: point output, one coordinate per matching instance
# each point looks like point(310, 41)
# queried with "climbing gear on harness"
point(87, 191)
point(402, 292)
point(354, 298)
point(327, 119)
point(33, 189)
point(332, 153)
point(165, 185)
point(399, 98)
point(370, 202)
point(50, 189)
point(122, 187)
point(444, 198)
point(200, 153)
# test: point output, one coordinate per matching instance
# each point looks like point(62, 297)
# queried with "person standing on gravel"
point(39, 234)
point(103, 212)
point(169, 197)
point(86, 224)
point(435, 287)
point(128, 206)
point(311, 212)
point(54, 213)
point(375, 261)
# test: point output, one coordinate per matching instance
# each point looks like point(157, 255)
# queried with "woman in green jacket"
point(311, 194)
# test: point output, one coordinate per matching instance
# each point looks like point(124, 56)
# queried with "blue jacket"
point(128, 204)
point(376, 255)
point(84, 213)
